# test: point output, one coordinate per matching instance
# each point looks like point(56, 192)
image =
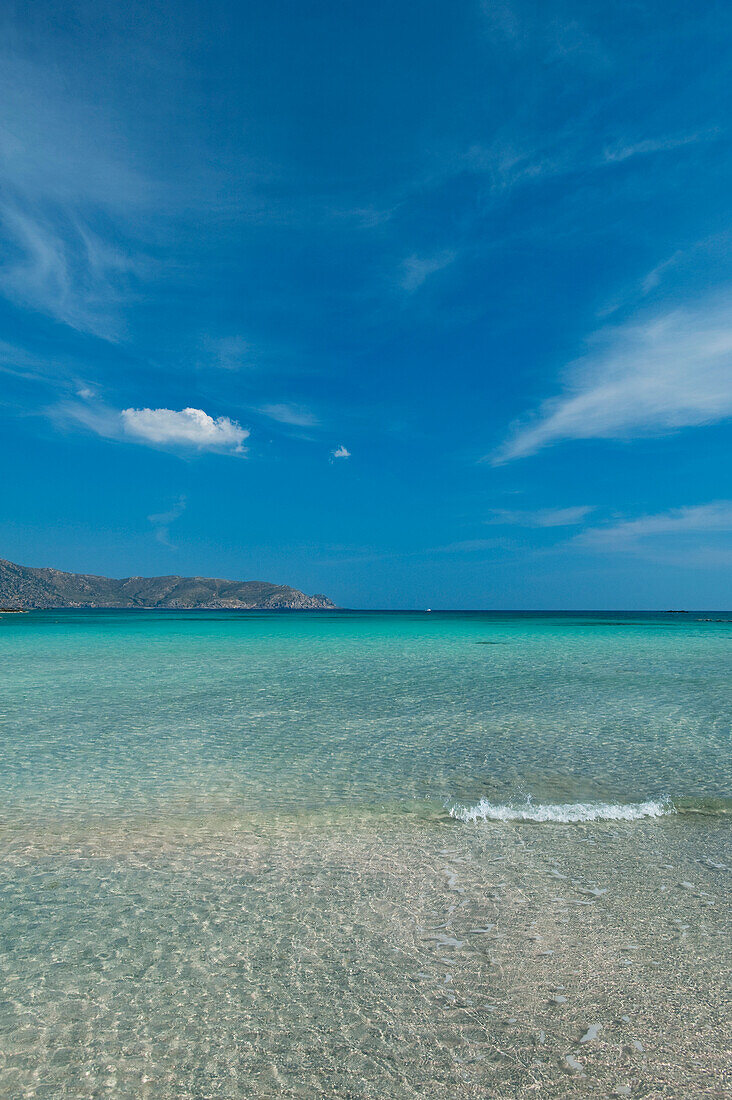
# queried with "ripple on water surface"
point(229, 866)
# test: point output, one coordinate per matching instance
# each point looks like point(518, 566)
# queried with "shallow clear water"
point(364, 855)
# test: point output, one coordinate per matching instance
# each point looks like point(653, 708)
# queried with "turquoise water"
point(362, 854)
point(122, 713)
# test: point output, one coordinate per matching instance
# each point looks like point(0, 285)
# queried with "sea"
point(365, 854)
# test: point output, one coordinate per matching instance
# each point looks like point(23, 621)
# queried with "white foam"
point(568, 812)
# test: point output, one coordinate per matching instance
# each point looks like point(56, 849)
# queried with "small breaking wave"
point(564, 813)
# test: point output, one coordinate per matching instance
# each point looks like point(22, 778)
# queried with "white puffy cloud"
point(340, 452)
point(669, 372)
point(186, 428)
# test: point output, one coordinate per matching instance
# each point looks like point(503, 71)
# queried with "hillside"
point(27, 587)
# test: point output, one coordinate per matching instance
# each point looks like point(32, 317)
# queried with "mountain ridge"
point(39, 588)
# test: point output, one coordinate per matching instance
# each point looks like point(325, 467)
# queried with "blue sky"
point(415, 305)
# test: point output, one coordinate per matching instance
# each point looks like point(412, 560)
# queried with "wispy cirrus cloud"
point(541, 517)
point(295, 415)
point(57, 147)
point(529, 29)
point(625, 150)
point(416, 270)
point(228, 353)
point(64, 271)
point(529, 159)
point(161, 521)
point(469, 546)
point(670, 371)
point(28, 366)
point(64, 170)
point(635, 534)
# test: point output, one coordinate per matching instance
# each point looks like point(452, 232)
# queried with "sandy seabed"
point(325, 956)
